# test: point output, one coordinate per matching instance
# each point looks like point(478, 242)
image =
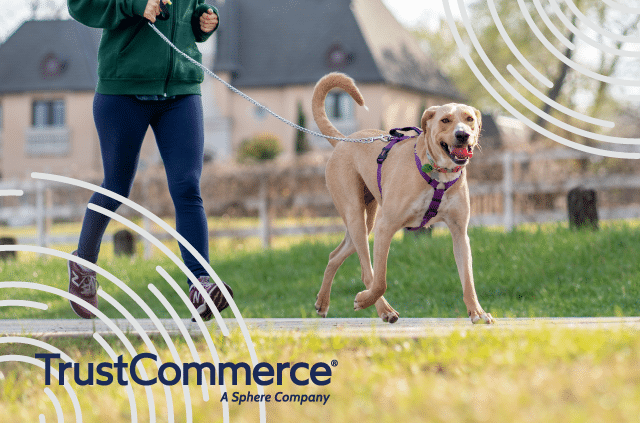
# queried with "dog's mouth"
point(459, 155)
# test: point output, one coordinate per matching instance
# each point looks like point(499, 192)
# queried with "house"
point(48, 75)
point(275, 51)
point(47, 79)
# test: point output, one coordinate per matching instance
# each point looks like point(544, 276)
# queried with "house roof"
point(284, 42)
point(49, 55)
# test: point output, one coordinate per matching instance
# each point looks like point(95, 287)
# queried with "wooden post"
point(8, 255)
point(40, 214)
point(48, 209)
point(507, 191)
point(148, 247)
point(583, 208)
point(124, 243)
point(146, 222)
point(263, 212)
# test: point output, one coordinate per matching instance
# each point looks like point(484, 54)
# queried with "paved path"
point(322, 327)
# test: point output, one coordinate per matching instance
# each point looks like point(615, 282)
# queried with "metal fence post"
point(507, 190)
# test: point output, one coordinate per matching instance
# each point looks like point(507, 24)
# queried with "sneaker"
point(83, 284)
point(216, 296)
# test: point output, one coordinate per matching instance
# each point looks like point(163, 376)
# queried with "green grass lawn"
point(475, 374)
point(550, 375)
point(539, 271)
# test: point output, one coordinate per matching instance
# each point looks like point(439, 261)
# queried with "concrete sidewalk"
point(356, 327)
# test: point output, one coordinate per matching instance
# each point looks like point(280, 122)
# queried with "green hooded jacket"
point(132, 58)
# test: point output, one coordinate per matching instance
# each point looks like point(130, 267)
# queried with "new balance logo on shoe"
point(214, 292)
point(83, 284)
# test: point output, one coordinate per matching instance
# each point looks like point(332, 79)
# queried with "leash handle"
point(164, 11)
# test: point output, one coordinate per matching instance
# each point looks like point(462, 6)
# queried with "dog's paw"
point(483, 318)
point(390, 317)
point(322, 307)
point(321, 312)
point(357, 306)
point(363, 300)
point(386, 312)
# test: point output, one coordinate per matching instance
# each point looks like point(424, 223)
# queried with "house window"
point(259, 113)
point(48, 113)
point(340, 109)
point(339, 106)
point(48, 135)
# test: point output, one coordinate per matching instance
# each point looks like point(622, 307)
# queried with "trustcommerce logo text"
point(170, 374)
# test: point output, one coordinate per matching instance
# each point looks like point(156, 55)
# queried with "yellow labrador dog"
point(403, 192)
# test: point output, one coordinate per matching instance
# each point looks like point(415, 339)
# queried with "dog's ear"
point(478, 119)
point(427, 116)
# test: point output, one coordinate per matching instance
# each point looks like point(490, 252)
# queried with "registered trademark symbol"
point(334, 363)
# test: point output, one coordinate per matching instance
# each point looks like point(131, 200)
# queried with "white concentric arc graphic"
point(170, 417)
point(464, 50)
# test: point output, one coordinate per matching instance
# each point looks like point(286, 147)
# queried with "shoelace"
point(197, 296)
point(88, 285)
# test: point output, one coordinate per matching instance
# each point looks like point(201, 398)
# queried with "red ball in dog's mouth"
point(462, 152)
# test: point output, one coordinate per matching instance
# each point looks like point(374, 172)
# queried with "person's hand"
point(208, 21)
point(153, 9)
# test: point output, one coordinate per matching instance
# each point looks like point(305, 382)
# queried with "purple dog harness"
point(396, 137)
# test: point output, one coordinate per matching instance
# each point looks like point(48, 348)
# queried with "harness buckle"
point(397, 132)
point(383, 154)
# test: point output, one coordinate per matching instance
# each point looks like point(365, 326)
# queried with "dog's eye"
point(469, 119)
point(445, 120)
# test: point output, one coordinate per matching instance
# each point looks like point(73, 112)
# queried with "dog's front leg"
point(382, 242)
point(462, 254)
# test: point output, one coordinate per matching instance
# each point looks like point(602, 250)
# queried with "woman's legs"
point(180, 136)
point(121, 122)
point(178, 126)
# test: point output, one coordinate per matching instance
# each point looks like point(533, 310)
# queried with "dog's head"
point(451, 133)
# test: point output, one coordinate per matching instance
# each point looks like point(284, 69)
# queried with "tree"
point(570, 88)
point(301, 143)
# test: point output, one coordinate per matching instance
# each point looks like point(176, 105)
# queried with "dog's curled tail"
point(326, 84)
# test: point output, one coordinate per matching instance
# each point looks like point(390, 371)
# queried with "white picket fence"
point(36, 205)
point(509, 187)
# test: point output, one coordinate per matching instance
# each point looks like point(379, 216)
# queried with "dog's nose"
point(462, 136)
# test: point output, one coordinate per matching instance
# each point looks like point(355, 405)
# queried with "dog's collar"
point(428, 167)
point(431, 181)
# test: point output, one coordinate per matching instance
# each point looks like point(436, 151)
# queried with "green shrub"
point(260, 148)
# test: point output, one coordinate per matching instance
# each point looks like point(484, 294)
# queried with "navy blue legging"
point(122, 122)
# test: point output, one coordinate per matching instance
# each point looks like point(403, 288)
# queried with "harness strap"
point(395, 138)
point(438, 193)
point(432, 210)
